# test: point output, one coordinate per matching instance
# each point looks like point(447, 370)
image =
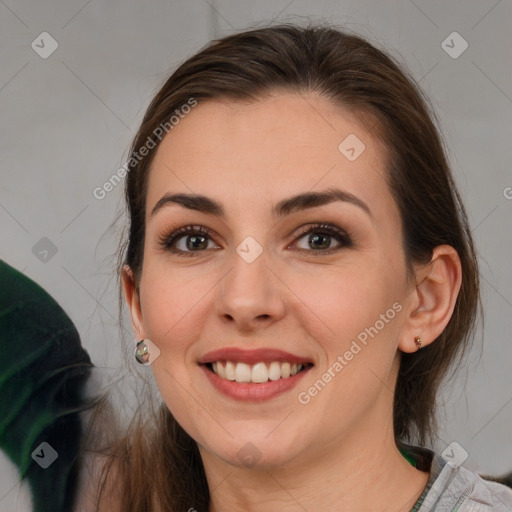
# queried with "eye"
point(188, 240)
point(194, 238)
point(320, 238)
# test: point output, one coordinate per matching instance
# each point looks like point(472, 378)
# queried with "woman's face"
point(257, 281)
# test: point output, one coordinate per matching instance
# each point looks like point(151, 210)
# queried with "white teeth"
point(220, 370)
point(230, 370)
point(285, 370)
point(243, 372)
point(274, 371)
point(257, 373)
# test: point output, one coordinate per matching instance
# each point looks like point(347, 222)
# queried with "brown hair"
point(351, 72)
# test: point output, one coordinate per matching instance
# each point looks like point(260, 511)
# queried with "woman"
point(300, 277)
point(299, 255)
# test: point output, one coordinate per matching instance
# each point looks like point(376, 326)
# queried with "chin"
point(256, 453)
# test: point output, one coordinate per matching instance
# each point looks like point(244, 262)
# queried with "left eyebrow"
point(284, 207)
point(313, 199)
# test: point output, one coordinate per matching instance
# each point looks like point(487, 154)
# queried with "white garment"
point(453, 488)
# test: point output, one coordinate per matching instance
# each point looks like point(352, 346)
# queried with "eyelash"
point(166, 241)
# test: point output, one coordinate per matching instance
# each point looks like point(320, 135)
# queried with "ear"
point(131, 294)
point(432, 302)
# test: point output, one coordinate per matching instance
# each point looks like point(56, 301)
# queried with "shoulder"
point(489, 495)
point(458, 488)
point(453, 487)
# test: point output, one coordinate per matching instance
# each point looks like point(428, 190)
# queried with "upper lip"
point(252, 356)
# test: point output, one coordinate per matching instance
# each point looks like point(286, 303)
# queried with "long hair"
point(351, 72)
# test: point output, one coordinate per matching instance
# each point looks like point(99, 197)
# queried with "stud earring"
point(418, 341)
point(142, 352)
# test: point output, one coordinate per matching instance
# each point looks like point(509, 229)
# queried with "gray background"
point(68, 119)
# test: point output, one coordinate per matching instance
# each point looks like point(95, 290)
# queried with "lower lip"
point(249, 391)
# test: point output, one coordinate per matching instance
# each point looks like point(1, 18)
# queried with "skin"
point(338, 451)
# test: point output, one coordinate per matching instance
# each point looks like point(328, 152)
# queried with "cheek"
point(345, 299)
point(359, 307)
point(173, 308)
point(171, 300)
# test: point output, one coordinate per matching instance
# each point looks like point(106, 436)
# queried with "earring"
point(418, 341)
point(142, 352)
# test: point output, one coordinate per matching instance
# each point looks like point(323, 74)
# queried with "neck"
point(359, 472)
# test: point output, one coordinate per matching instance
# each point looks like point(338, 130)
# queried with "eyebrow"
point(284, 207)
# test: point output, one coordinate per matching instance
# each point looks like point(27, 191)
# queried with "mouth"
point(258, 373)
point(254, 375)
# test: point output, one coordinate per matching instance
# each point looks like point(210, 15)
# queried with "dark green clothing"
point(43, 371)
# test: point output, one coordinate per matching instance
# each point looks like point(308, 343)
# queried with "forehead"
point(254, 150)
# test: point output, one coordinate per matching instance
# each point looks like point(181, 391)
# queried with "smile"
point(254, 375)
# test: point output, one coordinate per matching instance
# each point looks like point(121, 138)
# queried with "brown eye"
point(320, 238)
point(195, 239)
point(196, 242)
point(186, 240)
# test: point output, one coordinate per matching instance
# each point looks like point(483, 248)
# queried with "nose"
point(251, 295)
